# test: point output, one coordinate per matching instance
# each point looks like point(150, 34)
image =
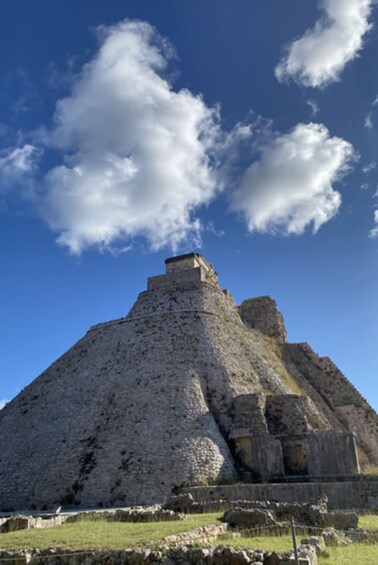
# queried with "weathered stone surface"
point(343, 495)
point(272, 558)
point(163, 555)
point(137, 407)
point(334, 397)
point(319, 544)
point(138, 514)
point(252, 518)
point(147, 404)
point(333, 538)
point(263, 315)
point(15, 524)
point(180, 503)
point(262, 455)
point(202, 534)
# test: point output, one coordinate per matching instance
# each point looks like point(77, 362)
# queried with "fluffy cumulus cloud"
point(319, 56)
point(3, 403)
point(290, 186)
point(16, 164)
point(374, 231)
point(137, 155)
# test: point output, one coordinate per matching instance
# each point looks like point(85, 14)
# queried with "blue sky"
point(134, 130)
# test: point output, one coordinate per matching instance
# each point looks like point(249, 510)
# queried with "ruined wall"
point(284, 435)
point(249, 414)
point(335, 397)
point(331, 453)
point(292, 414)
point(263, 315)
point(343, 495)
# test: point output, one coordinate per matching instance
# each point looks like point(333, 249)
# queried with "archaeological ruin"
point(188, 390)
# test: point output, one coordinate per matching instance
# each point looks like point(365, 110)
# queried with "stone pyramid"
point(187, 389)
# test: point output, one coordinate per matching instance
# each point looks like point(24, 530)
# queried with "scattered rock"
point(253, 518)
point(319, 544)
point(15, 524)
point(332, 538)
point(272, 558)
point(181, 503)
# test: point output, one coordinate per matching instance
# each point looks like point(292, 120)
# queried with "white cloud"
point(368, 122)
point(374, 231)
point(3, 403)
point(313, 106)
point(366, 169)
point(290, 186)
point(320, 55)
point(17, 163)
point(137, 155)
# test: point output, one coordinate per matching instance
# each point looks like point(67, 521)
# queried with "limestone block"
point(292, 414)
point(253, 518)
point(15, 524)
point(332, 453)
point(262, 455)
point(180, 503)
point(295, 454)
point(263, 315)
point(249, 413)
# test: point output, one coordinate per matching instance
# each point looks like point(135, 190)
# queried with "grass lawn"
point(101, 534)
point(369, 522)
point(117, 535)
point(354, 554)
point(265, 543)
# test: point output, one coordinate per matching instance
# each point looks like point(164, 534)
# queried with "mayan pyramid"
point(187, 389)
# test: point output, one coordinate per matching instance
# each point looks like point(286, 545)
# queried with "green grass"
point(354, 554)
point(117, 536)
point(368, 522)
point(370, 470)
point(272, 354)
point(265, 543)
point(101, 534)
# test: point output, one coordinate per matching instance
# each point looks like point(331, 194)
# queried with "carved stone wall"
point(278, 435)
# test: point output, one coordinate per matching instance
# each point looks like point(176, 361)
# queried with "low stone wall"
point(162, 556)
point(202, 534)
point(361, 494)
point(15, 523)
point(138, 514)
